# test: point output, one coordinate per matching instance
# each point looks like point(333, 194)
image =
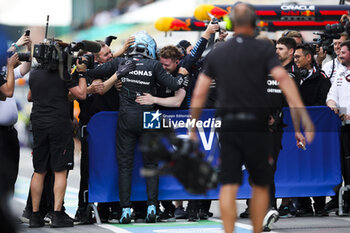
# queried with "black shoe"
point(61, 219)
point(245, 214)
point(284, 211)
point(331, 206)
point(192, 215)
point(305, 212)
point(83, 216)
point(48, 217)
point(26, 214)
point(203, 214)
point(114, 217)
point(321, 213)
point(103, 212)
point(166, 216)
point(270, 218)
point(180, 213)
point(36, 220)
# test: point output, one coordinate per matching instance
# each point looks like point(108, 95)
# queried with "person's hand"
point(222, 35)
point(97, 87)
point(335, 109)
point(118, 85)
point(183, 71)
point(301, 142)
point(23, 40)
point(333, 106)
point(13, 61)
point(125, 68)
point(343, 18)
point(321, 55)
point(145, 99)
point(212, 28)
point(130, 41)
point(344, 117)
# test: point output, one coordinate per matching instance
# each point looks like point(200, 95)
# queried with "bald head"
point(243, 15)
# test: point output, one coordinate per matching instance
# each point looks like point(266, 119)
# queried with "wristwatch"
point(15, 45)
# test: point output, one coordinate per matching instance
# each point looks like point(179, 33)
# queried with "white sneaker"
point(271, 217)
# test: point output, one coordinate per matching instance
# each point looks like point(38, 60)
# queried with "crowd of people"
point(139, 78)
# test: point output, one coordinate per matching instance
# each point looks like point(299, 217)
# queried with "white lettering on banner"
point(207, 144)
point(190, 123)
point(298, 7)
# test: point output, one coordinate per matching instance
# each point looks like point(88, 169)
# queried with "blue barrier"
point(313, 172)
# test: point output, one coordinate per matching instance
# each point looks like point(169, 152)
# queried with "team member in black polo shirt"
point(53, 137)
point(240, 67)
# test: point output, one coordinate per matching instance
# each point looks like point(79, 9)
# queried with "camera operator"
point(148, 72)
point(53, 135)
point(313, 89)
point(240, 102)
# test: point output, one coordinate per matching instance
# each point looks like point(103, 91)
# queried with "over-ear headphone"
point(303, 73)
point(182, 49)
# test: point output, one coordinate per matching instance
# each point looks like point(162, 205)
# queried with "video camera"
point(54, 52)
point(182, 159)
point(56, 55)
point(332, 31)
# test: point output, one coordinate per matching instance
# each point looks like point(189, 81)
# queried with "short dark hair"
point(288, 42)
point(307, 49)
point(346, 43)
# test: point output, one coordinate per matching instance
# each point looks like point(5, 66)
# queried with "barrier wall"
point(313, 172)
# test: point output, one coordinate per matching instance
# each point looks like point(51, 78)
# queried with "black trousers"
point(9, 155)
point(129, 130)
point(276, 146)
point(84, 172)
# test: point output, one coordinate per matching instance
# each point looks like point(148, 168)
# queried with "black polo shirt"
point(240, 67)
point(2, 80)
point(50, 102)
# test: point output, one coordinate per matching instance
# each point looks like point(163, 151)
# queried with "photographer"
point(53, 135)
point(9, 144)
point(129, 129)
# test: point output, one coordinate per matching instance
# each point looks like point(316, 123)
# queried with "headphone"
point(182, 49)
point(303, 72)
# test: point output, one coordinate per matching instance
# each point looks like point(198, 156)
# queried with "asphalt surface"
point(330, 224)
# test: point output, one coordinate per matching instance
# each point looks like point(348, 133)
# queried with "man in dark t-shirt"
point(53, 137)
point(240, 67)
